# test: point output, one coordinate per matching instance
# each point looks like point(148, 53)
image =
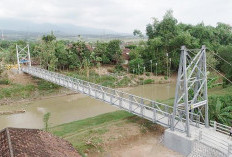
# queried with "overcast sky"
point(118, 15)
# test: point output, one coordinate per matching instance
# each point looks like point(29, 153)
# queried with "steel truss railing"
point(220, 127)
point(215, 142)
point(154, 111)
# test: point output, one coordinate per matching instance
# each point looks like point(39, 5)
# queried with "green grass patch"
point(17, 90)
point(45, 85)
point(75, 126)
point(5, 81)
point(148, 81)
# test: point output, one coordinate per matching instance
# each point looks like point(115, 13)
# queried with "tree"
point(49, 37)
point(220, 111)
point(138, 33)
point(136, 65)
point(114, 52)
point(45, 120)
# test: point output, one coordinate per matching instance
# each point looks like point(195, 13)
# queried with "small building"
point(125, 55)
point(17, 142)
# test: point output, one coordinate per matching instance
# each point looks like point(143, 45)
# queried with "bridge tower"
point(191, 89)
point(23, 55)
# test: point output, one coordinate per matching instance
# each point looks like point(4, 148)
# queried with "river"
point(69, 108)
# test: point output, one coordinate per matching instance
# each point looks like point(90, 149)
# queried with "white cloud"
point(118, 15)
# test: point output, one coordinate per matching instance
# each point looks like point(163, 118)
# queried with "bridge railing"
point(137, 105)
point(215, 142)
point(220, 127)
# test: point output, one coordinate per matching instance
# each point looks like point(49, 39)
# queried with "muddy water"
point(69, 108)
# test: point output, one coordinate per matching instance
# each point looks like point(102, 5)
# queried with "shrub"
point(148, 81)
point(148, 74)
point(4, 81)
point(45, 85)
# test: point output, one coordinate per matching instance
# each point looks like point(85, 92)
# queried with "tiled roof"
point(15, 142)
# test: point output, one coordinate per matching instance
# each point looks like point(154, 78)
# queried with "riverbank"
point(114, 134)
point(24, 88)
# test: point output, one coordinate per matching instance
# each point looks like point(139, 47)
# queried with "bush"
point(45, 85)
point(148, 81)
point(4, 81)
point(148, 74)
point(124, 82)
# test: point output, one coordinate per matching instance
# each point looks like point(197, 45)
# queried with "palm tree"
point(220, 113)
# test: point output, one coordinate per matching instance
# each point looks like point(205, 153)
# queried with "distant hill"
point(68, 29)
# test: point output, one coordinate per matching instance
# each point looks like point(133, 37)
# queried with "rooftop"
point(33, 142)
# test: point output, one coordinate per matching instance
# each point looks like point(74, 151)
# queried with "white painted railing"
point(215, 142)
point(220, 127)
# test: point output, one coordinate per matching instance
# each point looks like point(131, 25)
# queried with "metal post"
point(156, 68)
point(141, 110)
point(154, 115)
point(17, 52)
point(205, 88)
point(200, 135)
point(177, 87)
point(29, 56)
point(151, 66)
point(215, 125)
point(186, 93)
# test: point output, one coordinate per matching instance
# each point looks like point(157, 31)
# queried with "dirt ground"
point(132, 139)
point(142, 146)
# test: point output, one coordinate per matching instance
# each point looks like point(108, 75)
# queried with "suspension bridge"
point(186, 121)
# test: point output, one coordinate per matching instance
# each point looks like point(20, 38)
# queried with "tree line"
point(161, 50)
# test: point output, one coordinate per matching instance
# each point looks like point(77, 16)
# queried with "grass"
point(65, 129)
point(17, 90)
point(26, 91)
point(85, 135)
point(88, 135)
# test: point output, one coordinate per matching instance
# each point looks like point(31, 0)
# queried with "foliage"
point(4, 81)
point(46, 118)
point(45, 85)
point(220, 109)
point(138, 33)
point(148, 81)
point(136, 65)
point(17, 90)
point(167, 36)
point(49, 37)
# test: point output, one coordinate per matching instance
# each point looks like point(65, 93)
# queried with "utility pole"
point(170, 59)
point(156, 68)
point(151, 66)
point(167, 64)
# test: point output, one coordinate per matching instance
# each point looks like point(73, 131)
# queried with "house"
point(125, 55)
point(17, 142)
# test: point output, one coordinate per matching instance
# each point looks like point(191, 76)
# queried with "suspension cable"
point(219, 73)
point(222, 59)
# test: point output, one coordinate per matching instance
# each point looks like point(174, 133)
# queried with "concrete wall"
point(178, 142)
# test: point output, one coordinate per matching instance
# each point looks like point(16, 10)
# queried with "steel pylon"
point(23, 55)
point(191, 89)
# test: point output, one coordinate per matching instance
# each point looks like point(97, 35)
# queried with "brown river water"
point(69, 108)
